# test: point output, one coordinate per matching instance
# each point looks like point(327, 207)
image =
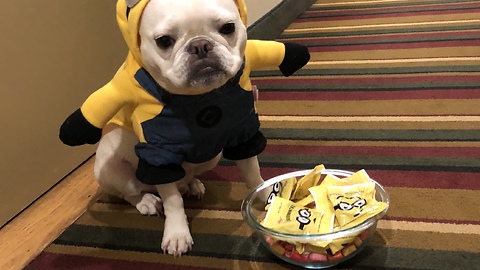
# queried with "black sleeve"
point(248, 149)
point(156, 175)
point(296, 56)
point(76, 130)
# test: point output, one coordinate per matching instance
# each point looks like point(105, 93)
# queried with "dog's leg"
point(250, 172)
point(195, 186)
point(176, 235)
point(118, 178)
point(115, 171)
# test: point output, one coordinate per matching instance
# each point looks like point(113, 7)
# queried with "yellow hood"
point(128, 19)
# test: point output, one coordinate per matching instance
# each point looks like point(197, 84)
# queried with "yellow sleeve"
point(104, 103)
point(264, 54)
point(261, 54)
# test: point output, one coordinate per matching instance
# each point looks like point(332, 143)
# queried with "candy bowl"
point(311, 249)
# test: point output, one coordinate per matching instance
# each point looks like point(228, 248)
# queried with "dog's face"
point(192, 46)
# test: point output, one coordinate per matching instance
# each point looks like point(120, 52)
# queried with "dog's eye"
point(227, 29)
point(164, 42)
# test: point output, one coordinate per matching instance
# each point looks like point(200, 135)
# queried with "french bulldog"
point(188, 65)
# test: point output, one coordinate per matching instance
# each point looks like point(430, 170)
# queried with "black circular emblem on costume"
point(209, 116)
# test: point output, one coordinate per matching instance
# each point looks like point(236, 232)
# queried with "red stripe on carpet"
point(444, 8)
point(371, 95)
point(366, 80)
point(416, 37)
point(388, 178)
point(395, 46)
point(442, 221)
point(373, 151)
point(50, 261)
point(425, 179)
point(342, 16)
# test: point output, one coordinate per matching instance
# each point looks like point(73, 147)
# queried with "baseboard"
point(271, 25)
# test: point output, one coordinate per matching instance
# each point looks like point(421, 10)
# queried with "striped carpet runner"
point(393, 87)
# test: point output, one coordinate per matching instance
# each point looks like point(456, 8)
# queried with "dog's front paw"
point(149, 205)
point(196, 188)
point(176, 239)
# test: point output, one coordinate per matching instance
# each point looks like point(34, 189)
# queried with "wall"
point(53, 54)
point(256, 9)
point(272, 25)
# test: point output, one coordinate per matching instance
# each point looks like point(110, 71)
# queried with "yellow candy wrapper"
point(329, 180)
point(287, 217)
point(321, 197)
point(354, 204)
point(300, 247)
point(282, 189)
point(358, 177)
point(315, 249)
point(319, 193)
point(340, 243)
point(336, 226)
point(309, 180)
point(322, 226)
point(307, 201)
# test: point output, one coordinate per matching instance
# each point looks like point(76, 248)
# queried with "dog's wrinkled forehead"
point(178, 18)
point(192, 11)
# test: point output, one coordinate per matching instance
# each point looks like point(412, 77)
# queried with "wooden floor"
point(36, 227)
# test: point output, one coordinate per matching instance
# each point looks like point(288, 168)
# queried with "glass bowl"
point(283, 244)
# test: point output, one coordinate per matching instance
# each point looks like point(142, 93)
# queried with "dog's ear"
point(131, 3)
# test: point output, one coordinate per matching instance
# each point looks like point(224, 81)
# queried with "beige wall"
point(257, 8)
point(53, 54)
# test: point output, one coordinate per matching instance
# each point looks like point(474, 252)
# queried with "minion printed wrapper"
point(314, 206)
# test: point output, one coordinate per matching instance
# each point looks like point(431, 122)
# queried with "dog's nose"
point(200, 47)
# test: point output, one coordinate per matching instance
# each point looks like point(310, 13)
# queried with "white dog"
point(181, 100)
point(173, 34)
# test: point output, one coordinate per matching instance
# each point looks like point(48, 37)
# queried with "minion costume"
point(173, 129)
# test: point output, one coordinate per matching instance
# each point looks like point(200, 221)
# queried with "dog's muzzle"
point(200, 47)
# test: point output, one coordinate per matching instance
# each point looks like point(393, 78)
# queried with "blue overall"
point(196, 128)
